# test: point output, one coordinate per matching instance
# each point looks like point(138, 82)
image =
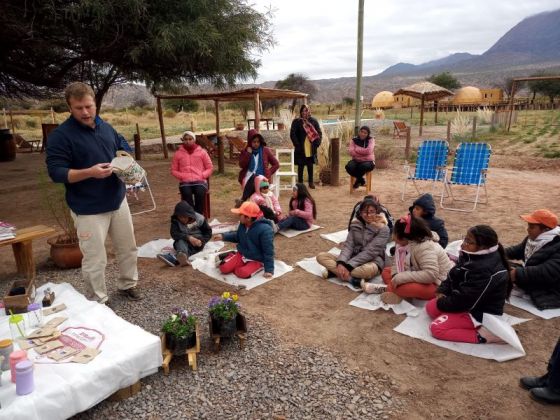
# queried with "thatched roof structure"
point(425, 91)
point(240, 95)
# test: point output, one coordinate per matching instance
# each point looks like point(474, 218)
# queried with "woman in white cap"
point(192, 166)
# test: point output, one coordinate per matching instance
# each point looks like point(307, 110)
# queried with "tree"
point(348, 101)
point(46, 44)
point(299, 82)
point(550, 88)
point(445, 79)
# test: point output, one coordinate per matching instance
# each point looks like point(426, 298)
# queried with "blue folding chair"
point(469, 169)
point(430, 164)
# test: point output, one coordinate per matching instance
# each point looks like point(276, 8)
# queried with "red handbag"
point(312, 134)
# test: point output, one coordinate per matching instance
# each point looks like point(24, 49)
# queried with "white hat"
point(190, 134)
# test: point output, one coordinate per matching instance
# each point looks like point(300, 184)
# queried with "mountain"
point(402, 68)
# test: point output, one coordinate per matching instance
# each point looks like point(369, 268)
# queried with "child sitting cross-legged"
point(363, 254)
point(190, 232)
point(419, 264)
point(480, 283)
point(255, 244)
point(303, 210)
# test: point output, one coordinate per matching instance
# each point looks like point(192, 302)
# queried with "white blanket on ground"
point(128, 353)
point(418, 327)
point(207, 265)
point(373, 302)
point(336, 237)
point(521, 300)
point(163, 246)
point(290, 233)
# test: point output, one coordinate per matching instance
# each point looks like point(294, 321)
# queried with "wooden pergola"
point(256, 94)
point(512, 93)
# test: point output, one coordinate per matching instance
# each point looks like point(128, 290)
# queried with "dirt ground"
point(435, 383)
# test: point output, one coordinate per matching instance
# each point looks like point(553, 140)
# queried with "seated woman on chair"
point(256, 159)
point(192, 166)
point(361, 151)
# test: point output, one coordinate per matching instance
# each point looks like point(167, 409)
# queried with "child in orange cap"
point(255, 244)
point(539, 272)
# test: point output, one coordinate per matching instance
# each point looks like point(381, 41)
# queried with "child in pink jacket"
point(303, 210)
point(363, 159)
point(266, 200)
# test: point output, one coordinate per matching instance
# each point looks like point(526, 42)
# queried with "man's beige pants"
point(366, 271)
point(92, 233)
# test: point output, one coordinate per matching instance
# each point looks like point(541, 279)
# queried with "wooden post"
point(192, 125)
point(474, 127)
point(257, 112)
point(407, 146)
point(219, 139)
point(448, 131)
point(335, 161)
point(52, 115)
point(511, 104)
point(5, 119)
point(137, 146)
point(436, 103)
point(12, 123)
point(421, 116)
point(162, 129)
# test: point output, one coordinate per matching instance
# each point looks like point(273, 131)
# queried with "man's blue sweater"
point(76, 146)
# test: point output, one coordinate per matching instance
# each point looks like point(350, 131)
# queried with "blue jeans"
point(293, 222)
point(185, 246)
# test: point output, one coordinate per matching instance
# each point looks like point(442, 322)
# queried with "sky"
point(319, 37)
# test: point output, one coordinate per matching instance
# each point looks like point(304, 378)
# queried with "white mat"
point(336, 237)
point(163, 246)
point(128, 353)
point(521, 300)
point(373, 302)
point(207, 265)
point(418, 327)
point(290, 233)
point(218, 227)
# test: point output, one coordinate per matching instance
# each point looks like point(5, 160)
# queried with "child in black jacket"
point(478, 284)
point(425, 208)
point(190, 231)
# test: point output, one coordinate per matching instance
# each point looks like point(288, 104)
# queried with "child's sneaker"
point(355, 282)
point(183, 259)
point(168, 259)
point(390, 298)
point(372, 288)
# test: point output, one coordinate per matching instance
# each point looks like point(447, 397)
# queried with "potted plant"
point(180, 331)
point(65, 248)
point(223, 314)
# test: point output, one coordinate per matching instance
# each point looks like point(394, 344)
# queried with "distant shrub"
point(31, 123)
point(169, 113)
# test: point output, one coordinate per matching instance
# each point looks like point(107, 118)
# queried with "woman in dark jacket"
point(255, 159)
point(478, 284)
point(306, 136)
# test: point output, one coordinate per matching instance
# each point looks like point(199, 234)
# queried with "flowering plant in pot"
point(223, 313)
point(180, 331)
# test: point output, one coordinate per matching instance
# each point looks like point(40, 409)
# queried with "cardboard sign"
point(55, 322)
point(51, 345)
point(62, 353)
point(51, 337)
point(26, 344)
point(54, 309)
point(86, 355)
point(42, 332)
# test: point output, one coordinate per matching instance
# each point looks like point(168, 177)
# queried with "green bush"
point(169, 113)
point(31, 123)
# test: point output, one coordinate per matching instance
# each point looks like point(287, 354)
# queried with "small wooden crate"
point(241, 332)
point(190, 353)
point(126, 392)
point(18, 303)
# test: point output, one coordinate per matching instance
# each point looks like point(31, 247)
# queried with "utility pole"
point(358, 101)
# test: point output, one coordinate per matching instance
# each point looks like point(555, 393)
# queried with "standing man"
point(306, 137)
point(79, 153)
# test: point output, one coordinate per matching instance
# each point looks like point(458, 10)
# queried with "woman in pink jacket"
point(303, 210)
point(363, 159)
point(192, 166)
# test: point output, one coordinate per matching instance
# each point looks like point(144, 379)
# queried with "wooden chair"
point(203, 141)
point(288, 171)
point(46, 129)
point(236, 145)
point(368, 183)
point(400, 129)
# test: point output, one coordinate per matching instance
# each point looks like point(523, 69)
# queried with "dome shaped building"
point(467, 95)
point(383, 99)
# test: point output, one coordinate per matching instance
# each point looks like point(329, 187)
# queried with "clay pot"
point(325, 176)
point(281, 126)
point(65, 255)
point(7, 146)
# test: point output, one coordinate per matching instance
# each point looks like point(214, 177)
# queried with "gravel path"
point(268, 379)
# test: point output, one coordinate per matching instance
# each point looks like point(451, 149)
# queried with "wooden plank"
point(28, 234)
point(126, 392)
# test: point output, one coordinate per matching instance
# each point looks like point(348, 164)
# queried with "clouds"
point(318, 37)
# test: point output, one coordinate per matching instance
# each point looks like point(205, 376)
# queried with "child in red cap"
point(539, 273)
point(255, 244)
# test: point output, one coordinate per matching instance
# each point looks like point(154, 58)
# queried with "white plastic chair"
point(286, 169)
